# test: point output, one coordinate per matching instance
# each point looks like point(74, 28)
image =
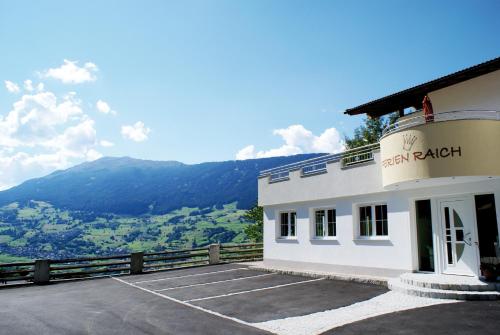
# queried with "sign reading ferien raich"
point(408, 155)
point(441, 149)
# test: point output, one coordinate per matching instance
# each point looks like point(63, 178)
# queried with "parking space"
point(253, 296)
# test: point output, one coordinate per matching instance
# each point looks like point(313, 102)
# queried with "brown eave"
point(412, 97)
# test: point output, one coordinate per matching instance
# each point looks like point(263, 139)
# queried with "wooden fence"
point(45, 270)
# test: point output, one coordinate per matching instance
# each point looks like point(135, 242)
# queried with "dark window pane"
point(284, 224)
point(424, 235)
point(332, 229)
point(459, 235)
point(365, 221)
point(381, 220)
point(320, 217)
point(293, 219)
point(448, 251)
point(447, 217)
point(487, 225)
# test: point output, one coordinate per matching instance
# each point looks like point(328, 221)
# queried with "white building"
point(425, 198)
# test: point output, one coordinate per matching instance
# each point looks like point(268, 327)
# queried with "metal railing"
point(357, 157)
point(45, 270)
point(316, 165)
point(410, 122)
point(283, 175)
point(314, 168)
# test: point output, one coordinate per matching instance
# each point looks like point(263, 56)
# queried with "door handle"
point(468, 239)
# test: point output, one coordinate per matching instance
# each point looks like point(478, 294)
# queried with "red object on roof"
point(428, 111)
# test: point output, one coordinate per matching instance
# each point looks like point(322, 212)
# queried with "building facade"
point(425, 198)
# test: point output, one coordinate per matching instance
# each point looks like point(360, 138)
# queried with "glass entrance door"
point(459, 237)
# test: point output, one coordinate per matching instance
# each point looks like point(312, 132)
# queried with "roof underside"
point(413, 97)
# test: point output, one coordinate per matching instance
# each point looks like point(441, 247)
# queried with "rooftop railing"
point(318, 165)
point(440, 117)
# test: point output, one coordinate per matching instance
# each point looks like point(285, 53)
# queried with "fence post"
point(41, 274)
point(136, 262)
point(214, 254)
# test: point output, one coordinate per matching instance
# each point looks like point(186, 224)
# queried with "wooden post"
point(136, 263)
point(214, 254)
point(41, 274)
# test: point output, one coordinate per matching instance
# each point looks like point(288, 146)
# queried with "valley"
point(37, 229)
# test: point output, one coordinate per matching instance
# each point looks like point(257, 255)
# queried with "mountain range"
point(128, 186)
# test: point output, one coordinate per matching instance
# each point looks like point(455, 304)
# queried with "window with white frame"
point(288, 224)
point(373, 220)
point(325, 223)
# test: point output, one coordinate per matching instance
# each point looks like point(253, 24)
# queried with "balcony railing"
point(318, 165)
point(440, 117)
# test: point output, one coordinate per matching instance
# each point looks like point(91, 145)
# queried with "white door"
point(458, 227)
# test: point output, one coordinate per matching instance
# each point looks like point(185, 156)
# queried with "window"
point(373, 221)
point(288, 222)
point(325, 223)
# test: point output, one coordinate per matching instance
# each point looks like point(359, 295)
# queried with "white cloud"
point(28, 85)
point(40, 87)
point(43, 132)
point(103, 107)
point(71, 73)
point(137, 132)
point(92, 155)
point(247, 152)
point(106, 144)
point(297, 140)
point(11, 87)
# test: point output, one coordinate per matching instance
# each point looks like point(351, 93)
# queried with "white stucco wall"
point(337, 182)
point(480, 93)
point(348, 254)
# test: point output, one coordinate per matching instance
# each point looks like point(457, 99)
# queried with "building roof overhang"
point(412, 97)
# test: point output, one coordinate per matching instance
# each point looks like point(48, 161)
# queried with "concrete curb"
point(352, 278)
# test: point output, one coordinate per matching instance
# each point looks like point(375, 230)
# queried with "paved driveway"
point(221, 299)
point(233, 299)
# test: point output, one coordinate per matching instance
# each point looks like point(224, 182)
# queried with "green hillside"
point(37, 229)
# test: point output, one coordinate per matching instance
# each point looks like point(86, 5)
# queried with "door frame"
point(469, 200)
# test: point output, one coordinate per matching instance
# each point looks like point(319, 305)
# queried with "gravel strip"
point(317, 323)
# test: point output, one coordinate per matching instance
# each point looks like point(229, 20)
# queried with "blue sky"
point(199, 81)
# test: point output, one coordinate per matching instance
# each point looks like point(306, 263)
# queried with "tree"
point(370, 132)
point(254, 231)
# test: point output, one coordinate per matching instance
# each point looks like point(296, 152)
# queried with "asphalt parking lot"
point(220, 299)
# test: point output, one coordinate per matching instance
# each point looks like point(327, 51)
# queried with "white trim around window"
point(324, 224)
point(371, 221)
point(287, 225)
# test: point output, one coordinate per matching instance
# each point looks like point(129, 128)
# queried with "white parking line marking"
point(213, 282)
point(193, 275)
point(254, 290)
point(185, 303)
